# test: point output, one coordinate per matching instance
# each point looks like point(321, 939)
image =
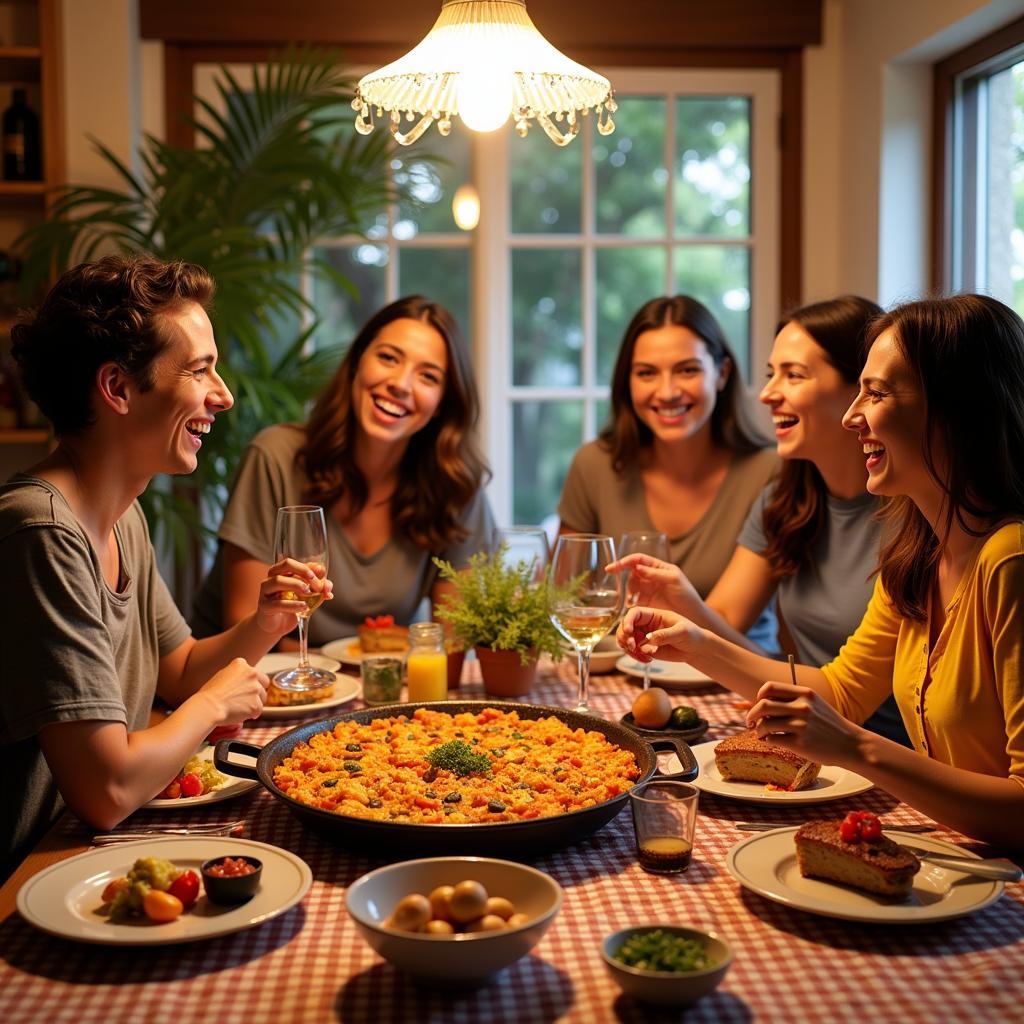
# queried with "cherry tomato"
point(172, 792)
point(191, 785)
point(113, 887)
point(161, 906)
point(871, 830)
point(849, 831)
point(853, 817)
point(186, 888)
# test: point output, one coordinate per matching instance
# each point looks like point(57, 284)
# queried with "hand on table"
point(797, 718)
point(277, 611)
point(657, 584)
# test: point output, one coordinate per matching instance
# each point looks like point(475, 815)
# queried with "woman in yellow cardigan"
point(940, 416)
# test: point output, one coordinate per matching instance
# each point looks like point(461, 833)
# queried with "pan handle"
point(679, 747)
point(222, 752)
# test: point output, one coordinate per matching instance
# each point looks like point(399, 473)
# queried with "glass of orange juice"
point(426, 665)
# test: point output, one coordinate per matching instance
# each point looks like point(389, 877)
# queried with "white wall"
point(868, 139)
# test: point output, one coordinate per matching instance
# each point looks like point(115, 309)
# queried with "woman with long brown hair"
point(940, 419)
point(389, 453)
point(812, 538)
point(681, 453)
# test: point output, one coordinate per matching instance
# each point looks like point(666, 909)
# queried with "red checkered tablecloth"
point(311, 965)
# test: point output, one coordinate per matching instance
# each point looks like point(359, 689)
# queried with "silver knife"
point(768, 826)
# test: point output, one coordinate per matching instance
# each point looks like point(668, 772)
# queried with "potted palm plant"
point(278, 166)
point(498, 609)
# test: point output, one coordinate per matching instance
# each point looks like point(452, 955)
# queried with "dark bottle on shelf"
point(21, 141)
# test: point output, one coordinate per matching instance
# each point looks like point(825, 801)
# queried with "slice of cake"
point(875, 865)
point(379, 633)
point(747, 758)
point(278, 698)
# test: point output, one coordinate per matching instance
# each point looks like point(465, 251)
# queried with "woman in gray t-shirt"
point(811, 539)
point(388, 451)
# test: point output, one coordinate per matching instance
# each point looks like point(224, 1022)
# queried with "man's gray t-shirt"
point(391, 581)
point(73, 649)
point(823, 602)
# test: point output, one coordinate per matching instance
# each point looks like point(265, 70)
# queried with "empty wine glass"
point(526, 544)
point(301, 534)
point(585, 598)
point(643, 542)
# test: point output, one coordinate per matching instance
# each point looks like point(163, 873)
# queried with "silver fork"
point(225, 828)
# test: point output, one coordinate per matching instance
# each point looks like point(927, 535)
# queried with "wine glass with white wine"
point(585, 598)
point(301, 534)
point(643, 542)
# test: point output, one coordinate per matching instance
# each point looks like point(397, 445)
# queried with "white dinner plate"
point(766, 864)
point(228, 790)
point(346, 650)
point(64, 899)
point(832, 783)
point(669, 675)
point(346, 687)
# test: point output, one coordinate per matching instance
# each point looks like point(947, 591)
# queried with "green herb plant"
point(499, 606)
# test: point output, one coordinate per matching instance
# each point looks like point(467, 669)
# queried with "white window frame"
point(491, 298)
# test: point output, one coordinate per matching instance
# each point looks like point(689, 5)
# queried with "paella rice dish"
point(435, 768)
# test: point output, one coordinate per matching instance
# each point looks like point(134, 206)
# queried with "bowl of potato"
point(454, 920)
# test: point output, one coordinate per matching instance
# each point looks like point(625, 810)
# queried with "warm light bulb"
point(466, 207)
point(484, 97)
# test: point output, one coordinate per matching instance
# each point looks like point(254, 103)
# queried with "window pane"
point(712, 166)
point(626, 279)
point(547, 331)
point(719, 276)
point(1004, 256)
point(432, 181)
point(342, 313)
point(441, 275)
point(630, 169)
point(545, 436)
point(602, 413)
point(544, 185)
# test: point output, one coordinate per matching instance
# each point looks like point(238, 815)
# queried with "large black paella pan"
point(498, 838)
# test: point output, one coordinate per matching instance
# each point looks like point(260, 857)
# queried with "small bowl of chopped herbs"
point(668, 964)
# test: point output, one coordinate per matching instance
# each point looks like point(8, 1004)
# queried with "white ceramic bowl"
point(605, 655)
point(667, 988)
point(463, 958)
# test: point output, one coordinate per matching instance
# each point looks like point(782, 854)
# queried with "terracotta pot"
point(504, 674)
point(455, 660)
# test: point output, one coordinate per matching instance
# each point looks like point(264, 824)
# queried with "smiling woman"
point(388, 451)
point(121, 357)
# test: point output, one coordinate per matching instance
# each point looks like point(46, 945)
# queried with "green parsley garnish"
point(458, 758)
point(658, 950)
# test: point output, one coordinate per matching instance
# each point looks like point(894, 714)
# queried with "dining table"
point(310, 963)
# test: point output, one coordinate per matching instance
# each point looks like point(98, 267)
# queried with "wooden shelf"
point(22, 188)
point(24, 435)
point(20, 52)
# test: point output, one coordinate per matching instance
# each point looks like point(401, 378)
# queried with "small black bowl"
point(231, 889)
point(689, 735)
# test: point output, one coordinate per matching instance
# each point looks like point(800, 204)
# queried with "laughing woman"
point(121, 358)
point(389, 453)
point(940, 417)
point(681, 454)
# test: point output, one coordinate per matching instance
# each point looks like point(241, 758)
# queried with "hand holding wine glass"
point(586, 598)
point(643, 542)
point(301, 535)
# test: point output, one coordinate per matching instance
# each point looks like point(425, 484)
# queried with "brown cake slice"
point(376, 639)
point(278, 698)
point(746, 758)
point(880, 866)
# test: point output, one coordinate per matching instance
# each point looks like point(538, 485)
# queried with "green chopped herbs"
point(458, 758)
point(659, 950)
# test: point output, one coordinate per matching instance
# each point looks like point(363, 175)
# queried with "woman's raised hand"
point(657, 584)
point(797, 718)
point(283, 593)
point(649, 633)
point(237, 692)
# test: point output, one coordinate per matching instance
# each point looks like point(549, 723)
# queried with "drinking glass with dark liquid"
point(664, 821)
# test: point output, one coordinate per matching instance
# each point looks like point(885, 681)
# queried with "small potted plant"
point(501, 611)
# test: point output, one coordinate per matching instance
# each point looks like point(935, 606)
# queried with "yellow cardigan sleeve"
point(1004, 612)
point(861, 673)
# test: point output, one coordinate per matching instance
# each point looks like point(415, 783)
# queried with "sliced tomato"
point(191, 785)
